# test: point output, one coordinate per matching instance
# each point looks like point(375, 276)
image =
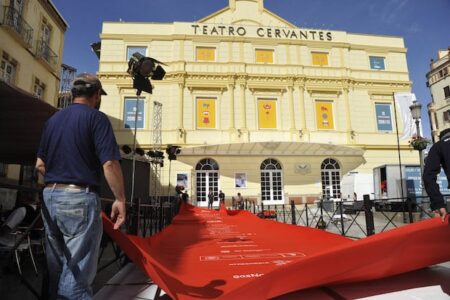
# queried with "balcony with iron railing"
point(44, 52)
point(13, 20)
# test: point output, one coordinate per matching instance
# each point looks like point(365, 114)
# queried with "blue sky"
point(423, 24)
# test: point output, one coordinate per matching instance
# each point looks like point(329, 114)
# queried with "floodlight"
point(141, 68)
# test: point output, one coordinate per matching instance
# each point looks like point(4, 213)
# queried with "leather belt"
point(71, 186)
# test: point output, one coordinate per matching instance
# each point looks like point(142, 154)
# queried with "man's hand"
point(118, 213)
point(440, 213)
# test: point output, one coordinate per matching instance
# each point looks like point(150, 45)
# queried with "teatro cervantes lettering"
point(262, 32)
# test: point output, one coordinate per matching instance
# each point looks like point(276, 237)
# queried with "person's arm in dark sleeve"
point(430, 173)
point(114, 177)
point(42, 152)
point(108, 153)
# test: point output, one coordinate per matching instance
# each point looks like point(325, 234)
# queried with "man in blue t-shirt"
point(77, 143)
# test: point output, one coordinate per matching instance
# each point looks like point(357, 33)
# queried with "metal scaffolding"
point(157, 160)
point(67, 76)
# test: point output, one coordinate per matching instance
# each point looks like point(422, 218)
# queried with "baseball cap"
point(444, 133)
point(88, 80)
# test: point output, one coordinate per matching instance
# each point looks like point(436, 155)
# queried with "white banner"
point(403, 102)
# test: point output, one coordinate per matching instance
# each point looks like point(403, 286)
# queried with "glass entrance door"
point(207, 180)
point(271, 182)
point(207, 174)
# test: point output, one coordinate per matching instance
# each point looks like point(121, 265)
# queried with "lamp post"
point(416, 110)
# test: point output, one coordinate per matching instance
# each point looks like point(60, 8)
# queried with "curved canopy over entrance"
point(273, 149)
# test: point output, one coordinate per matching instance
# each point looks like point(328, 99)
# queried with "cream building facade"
point(258, 105)
point(438, 80)
point(32, 41)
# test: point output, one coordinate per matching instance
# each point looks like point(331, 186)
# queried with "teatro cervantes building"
point(258, 105)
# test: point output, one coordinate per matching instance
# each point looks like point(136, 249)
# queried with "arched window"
point(207, 177)
point(331, 179)
point(271, 181)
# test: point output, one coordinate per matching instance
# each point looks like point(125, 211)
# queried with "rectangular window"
point(7, 69)
point(206, 113)
point(376, 62)
point(264, 56)
point(39, 88)
point(324, 115)
point(133, 49)
point(384, 119)
point(205, 54)
point(46, 32)
point(267, 113)
point(447, 115)
point(131, 106)
point(447, 92)
point(319, 58)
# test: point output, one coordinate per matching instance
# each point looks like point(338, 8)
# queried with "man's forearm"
point(40, 166)
point(114, 177)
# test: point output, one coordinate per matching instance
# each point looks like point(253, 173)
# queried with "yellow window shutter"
point(264, 56)
point(319, 59)
point(206, 54)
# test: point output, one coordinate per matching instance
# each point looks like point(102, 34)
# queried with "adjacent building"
point(258, 105)
point(438, 80)
point(32, 40)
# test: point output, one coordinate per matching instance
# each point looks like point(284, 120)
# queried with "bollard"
point(321, 223)
point(294, 218)
point(306, 210)
point(262, 208)
point(161, 215)
point(409, 202)
point(369, 215)
point(341, 209)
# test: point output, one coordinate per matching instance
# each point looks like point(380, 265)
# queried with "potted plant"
point(419, 143)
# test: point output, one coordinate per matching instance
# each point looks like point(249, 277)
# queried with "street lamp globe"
point(416, 110)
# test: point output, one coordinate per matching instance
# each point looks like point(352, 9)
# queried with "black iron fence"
point(146, 217)
point(354, 219)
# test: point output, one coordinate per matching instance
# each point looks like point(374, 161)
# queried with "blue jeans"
point(73, 232)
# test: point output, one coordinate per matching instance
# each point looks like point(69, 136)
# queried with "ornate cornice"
point(311, 84)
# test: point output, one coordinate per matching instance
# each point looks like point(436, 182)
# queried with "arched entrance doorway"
point(207, 176)
point(271, 182)
point(331, 179)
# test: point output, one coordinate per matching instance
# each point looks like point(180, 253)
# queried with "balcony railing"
point(13, 19)
point(43, 51)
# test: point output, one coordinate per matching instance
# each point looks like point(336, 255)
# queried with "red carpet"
point(223, 254)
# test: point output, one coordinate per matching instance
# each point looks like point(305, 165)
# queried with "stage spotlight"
point(159, 154)
point(155, 154)
point(140, 151)
point(126, 149)
point(172, 151)
point(141, 68)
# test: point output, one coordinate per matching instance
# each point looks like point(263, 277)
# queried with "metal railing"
point(145, 218)
point(13, 19)
point(353, 219)
point(44, 51)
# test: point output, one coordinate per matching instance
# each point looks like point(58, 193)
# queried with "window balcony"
point(44, 52)
point(13, 20)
